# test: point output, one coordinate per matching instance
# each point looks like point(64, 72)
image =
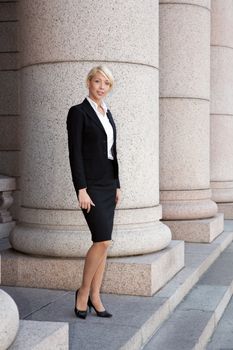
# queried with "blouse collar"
point(95, 105)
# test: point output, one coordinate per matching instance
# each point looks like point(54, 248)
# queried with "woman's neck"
point(99, 101)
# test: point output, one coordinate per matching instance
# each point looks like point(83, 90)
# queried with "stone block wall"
point(9, 97)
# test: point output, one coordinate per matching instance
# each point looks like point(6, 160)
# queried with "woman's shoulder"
point(76, 109)
point(75, 115)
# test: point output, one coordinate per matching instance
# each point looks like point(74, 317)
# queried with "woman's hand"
point(118, 195)
point(84, 199)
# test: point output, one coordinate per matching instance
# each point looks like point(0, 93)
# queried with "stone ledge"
point(195, 319)
point(203, 230)
point(135, 275)
point(132, 329)
point(37, 335)
point(199, 257)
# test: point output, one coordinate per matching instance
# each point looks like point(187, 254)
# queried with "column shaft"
point(184, 121)
point(221, 107)
point(60, 43)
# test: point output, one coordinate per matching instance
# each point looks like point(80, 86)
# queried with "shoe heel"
point(89, 304)
point(104, 313)
point(79, 313)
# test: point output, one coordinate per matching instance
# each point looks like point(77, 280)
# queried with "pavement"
point(223, 335)
point(196, 317)
point(131, 313)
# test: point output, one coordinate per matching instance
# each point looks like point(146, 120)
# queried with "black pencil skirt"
point(103, 194)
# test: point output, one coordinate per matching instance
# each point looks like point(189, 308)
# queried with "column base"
point(187, 204)
point(135, 275)
point(222, 191)
point(9, 320)
point(74, 241)
point(203, 230)
point(226, 209)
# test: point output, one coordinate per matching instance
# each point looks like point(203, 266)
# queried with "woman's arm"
point(75, 120)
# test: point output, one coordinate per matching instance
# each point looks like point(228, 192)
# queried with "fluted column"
point(60, 42)
point(184, 121)
point(221, 106)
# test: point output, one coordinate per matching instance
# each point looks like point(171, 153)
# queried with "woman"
point(94, 169)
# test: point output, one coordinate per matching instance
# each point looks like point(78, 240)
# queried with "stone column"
point(9, 320)
point(221, 106)
point(184, 121)
point(60, 42)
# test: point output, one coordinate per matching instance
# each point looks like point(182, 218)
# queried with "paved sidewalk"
point(130, 313)
point(194, 320)
point(223, 335)
point(93, 333)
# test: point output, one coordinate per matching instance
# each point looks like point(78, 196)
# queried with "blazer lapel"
point(91, 113)
point(112, 123)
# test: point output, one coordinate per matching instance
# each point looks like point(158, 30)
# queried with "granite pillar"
point(184, 121)
point(221, 106)
point(60, 42)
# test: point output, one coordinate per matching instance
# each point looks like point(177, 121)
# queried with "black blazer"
point(87, 143)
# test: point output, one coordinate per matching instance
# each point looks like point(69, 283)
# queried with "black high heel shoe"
point(79, 313)
point(104, 313)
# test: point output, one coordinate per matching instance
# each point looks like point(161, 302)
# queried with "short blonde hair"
point(103, 70)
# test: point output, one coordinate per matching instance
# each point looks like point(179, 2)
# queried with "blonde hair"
point(103, 70)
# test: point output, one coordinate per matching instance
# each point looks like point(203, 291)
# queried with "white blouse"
point(105, 122)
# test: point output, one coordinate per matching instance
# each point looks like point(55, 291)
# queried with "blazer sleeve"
point(75, 122)
point(118, 183)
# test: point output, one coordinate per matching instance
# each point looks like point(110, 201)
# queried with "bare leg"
point(93, 259)
point(96, 285)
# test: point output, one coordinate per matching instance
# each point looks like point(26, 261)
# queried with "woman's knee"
point(103, 244)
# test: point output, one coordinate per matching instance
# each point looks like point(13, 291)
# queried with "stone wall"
point(9, 97)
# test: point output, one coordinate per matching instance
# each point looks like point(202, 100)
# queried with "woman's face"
point(98, 86)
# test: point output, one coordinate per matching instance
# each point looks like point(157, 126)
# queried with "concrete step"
point(130, 275)
point(223, 335)
point(135, 318)
point(31, 335)
point(35, 335)
point(193, 322)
